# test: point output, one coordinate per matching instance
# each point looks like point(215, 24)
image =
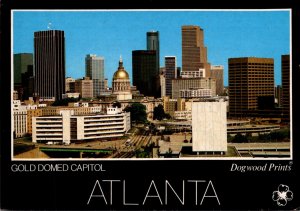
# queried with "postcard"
point(155, 109)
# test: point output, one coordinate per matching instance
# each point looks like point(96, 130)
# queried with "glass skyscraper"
point(153, 45)
point(94, 68)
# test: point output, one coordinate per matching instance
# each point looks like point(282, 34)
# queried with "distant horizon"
point(227, 34)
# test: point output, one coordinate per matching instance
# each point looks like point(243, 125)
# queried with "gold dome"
point(121, 72)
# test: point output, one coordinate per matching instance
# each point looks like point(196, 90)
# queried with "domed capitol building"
point(121, 83)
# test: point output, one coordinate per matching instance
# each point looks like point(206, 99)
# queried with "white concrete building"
point(69, 127)
point(209, 129)
point(20, 117)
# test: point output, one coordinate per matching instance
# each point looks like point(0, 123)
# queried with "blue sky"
point(110, 34)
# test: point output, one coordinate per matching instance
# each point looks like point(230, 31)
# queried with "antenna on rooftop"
point(49, 25)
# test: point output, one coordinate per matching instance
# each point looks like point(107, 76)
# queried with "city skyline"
point(256, 33)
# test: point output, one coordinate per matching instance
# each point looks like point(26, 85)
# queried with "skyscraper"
point(153, 45)
point(251, 81)
point(144, 72)
point(94, 69)
point(285, 82)
point(23, 73)
point(194, 53)
point(49, 64)
point(21, 63)
point(170, 73)
point(217, 73)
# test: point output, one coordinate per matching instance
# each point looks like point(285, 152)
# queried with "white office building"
point(209, 129)
point(69, 127)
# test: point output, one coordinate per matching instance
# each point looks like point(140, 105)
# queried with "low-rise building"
point(84, 86)
point(68, 127)
point(183, 115)
point(195, 93)
point(32, 113)
point(20, 123)
point(172, 105)
point(20, 117)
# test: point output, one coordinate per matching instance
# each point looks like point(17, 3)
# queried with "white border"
point(153, 159)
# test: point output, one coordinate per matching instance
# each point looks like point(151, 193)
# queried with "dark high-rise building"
point(153, 44)
point(194, 53)
point(145, 73)
point(23, 63)
point(285, 82)
point(27, 84)
point(178, 72)
point(251, 82)
point(49, 64)
point(170, 73)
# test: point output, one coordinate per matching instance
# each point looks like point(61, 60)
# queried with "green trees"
point(239, 138)
point(274, 136)
point(116, 104)
point(137, 113)
point(159, 113)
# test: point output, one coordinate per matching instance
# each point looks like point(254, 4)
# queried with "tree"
point(116, 104)
point(137, 113)
point(159, 113)
point(239, 138)
point(167, 116)
point(169, 153)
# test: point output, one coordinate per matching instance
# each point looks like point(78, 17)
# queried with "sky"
point(109, 34)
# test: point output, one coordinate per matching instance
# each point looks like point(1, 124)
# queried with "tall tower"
point(49, 64)
point(285, 82)
point(194, 53)
point(170, 73)
point(144, 72)
point(251, 81)
point(94, 69)
point(153, 45)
